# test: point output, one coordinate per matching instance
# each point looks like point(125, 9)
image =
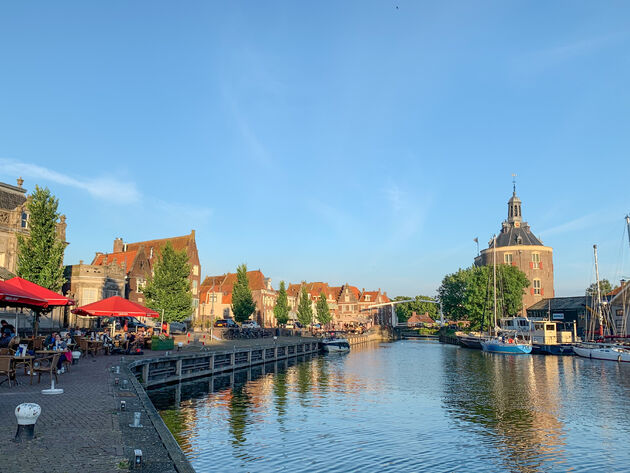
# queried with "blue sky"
point(337, 141)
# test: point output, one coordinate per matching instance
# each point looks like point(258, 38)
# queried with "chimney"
point(20, 181)
point(118, 245)
point(192, 234)
point(80, 261)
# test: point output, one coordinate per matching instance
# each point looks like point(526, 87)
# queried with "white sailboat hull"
point(609, 353)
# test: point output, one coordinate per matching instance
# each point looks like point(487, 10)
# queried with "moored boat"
point(508, 346)
point(333, 345)
point(603, 351)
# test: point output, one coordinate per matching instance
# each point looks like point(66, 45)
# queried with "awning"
point(16, 297)
point(115, 307)
point(53, 298)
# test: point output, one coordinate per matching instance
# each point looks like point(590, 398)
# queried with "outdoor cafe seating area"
point(24, 358)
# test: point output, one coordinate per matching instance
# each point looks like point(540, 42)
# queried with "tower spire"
point(514, 205)
point(514, 183)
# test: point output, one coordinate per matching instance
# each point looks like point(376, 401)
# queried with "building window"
point(537, 286)
point(194, 286)
point(196, 270)
point(507, 258)
point(367, 298)
point(24, 223)
point(141, 283)
point(139, 299)
point(535, 259)
point(347, 298)
point(88, 295)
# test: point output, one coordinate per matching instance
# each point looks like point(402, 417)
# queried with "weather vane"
point(514, 182)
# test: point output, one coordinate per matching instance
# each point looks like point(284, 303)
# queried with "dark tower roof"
point(514, 231)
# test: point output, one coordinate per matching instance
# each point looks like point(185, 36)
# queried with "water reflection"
point(405, 407)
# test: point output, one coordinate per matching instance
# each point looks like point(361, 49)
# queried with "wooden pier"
point(180, 366)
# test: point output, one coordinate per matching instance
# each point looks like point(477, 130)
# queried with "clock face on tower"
point(517, 224)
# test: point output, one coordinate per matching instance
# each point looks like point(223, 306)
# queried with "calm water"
point(405, 407)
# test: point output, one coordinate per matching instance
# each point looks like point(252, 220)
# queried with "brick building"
point(517, 245)
point(216, 297)
point(135, 255)
point(136, 266)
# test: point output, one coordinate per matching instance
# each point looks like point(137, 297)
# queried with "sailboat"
point(506, 343)
point(600, 350)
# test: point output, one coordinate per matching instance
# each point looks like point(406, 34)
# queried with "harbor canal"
point(405, 406)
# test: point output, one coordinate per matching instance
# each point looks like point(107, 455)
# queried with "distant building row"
point(348, 306)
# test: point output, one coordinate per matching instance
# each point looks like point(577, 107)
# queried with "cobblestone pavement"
point(83, 428)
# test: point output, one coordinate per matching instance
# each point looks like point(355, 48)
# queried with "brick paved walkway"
point(83, 429)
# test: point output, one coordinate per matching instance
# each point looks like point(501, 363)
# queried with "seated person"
point(5, 339)
point(6, 327)
point(49, 341)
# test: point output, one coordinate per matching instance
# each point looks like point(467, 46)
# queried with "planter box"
point(160, 345)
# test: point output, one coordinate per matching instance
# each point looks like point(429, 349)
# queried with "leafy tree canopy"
point(468, 293)
point(323, 312)
point(168, 289)
point(305, 309)
point(281, 309)
point(417, 305)
point(40, 254)
point(604, 287)
point(243, 305)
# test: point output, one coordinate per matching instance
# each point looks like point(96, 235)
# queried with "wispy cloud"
point(185, 213)
point(537, 61)
point(580, 223)
point(338, 220)
point(408, 212)
point(107, 188)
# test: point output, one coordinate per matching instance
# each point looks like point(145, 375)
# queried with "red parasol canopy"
point(12, 295)
point(49, 296)
point(115, 307)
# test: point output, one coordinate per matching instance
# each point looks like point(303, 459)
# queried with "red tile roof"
point(179, 243)
point(125, 257)
point(226, 282)
point(420, 318)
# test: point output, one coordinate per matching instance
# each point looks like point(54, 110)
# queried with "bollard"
point(136, 421)
point(116, 381)
point(123, 405)
point(180, 345)
point(137, 458)
point(124, 385)
point(117, 369)
point(26, 414)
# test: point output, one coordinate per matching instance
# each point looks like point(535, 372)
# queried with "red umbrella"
point(53, 298)
point(115, 307)
point(14, 296)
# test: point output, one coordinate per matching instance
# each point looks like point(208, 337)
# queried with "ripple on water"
point(407, 407)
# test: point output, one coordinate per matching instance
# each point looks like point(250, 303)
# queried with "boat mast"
point(494, 279)
point(628, 224)
point(599, 295)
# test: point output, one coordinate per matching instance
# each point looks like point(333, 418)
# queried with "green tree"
point(604, 287)
point(40, 254)
point(243, 305)
point(168, 289)
point(418, 305)
point(469, 293)
point(281, 309)
point(305, 310)
point(323, 313)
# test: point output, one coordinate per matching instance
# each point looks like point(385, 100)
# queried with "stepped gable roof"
point(124, 257)
point(11, 197)
point(179, 243)
point(561, 303)
point(355, 290)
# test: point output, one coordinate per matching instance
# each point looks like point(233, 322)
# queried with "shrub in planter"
point(162, 342)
